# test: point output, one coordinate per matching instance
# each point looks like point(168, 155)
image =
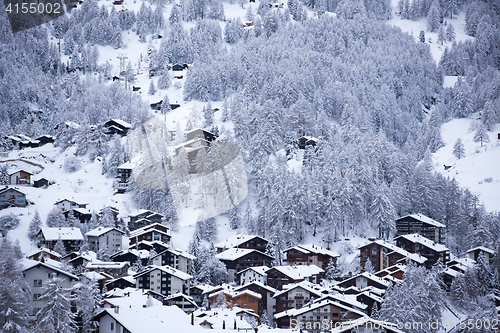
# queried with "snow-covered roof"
point(65, 233)
point(413, 256)
point(28, 264)
point(126, 165)
point(139, 212)
point(127, 278)
point(122, 123)
point(203, 287)
point(306, 285)
point(70, 201)
point(299, 272)
point(178, 252)
point(344, 298)
point(131, 299)
point(258, 269)
point(93, 275)
point(425, 219)
point(309, 138)
point(107, 264)
point(314, 306)
point(416, 238)
point(234, 294)
point(101, 231)
point(482, 248)
point(167, 269)
point(235, 241)
point(259, 284)
point(312, 248)
point(45, 250)
point(233, 254)
point(82, 211)
point(19, 170)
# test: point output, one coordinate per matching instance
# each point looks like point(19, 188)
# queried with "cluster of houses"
point(290, 296)
point(20, 141)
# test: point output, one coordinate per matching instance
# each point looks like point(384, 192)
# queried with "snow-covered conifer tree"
point(369, 267)
point(481, 135)
point(382, 211)
point(59, 247)
point(441, 38)
point(14, 293)
point(56, 315)
point(35, 226)
point(433, 17)
point(88, 298)
point(152, 88)
point(459, 149)
point(450, 33)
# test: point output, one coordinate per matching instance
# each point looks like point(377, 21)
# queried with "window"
point(36, 297)
point(37, 283)
point(252, 299)
point(374, 251)
point(112, 326)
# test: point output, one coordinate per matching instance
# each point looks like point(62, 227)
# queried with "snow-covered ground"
point(414, 28)
point(478, 170)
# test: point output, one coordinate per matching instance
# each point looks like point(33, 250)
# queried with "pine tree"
point(14, 296)
point(441, 38)
point(88, 298)
point(152, 88)
point(450, 33)
point(375, 311)
point(382, 211)
point(481, 135)
point(59, 247)
point(422, 36)
point(221, 301)
point(35, 226)
point(108, 219)
point(56, 315)
point(459, 149)
point(331, 270)
point(165, 105)
point(369, 267)
point(4, 175)
point(433, 17)
point(164, 81)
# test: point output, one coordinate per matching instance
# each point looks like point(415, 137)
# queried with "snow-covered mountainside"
point(478, 168)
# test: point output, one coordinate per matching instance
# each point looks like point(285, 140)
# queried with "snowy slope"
point(479, 164)
point(414, 28)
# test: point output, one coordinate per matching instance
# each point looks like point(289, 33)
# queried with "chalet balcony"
point(299, 297)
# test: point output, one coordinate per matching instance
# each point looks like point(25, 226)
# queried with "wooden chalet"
point(295, 296)
point(237, 259)
point(307, 141)
point(267, 302)
point(117, 126)
point(364, 280)
point(310, 254)
point(143, 218)
point(20, 177)
point(422, 225)
point(44, 139)
point(243, 242)
point(42, 182)
point(184, 302)
point(12, 197)
point(278, 276)
point(71, 237)
point(418, 244)
point(487, 253)
point(152, 232)
point(383, 254)
point(121, 282)
point(311, 317)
